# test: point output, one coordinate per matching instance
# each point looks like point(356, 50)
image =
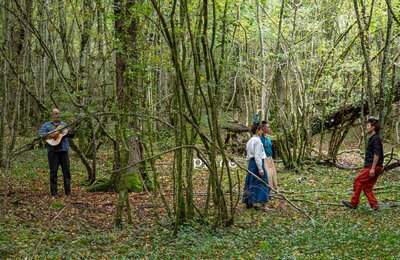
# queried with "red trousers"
point(363, 182)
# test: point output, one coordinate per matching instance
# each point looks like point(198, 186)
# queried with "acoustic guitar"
point(55, 139)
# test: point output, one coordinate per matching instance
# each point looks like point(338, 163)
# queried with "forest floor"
point(34, 225)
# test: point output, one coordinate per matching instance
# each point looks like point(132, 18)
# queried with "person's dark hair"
point(255, 127)
point(264, 123)
point(375, 123)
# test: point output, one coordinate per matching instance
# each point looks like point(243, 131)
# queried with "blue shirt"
point(266, 141)
point(255, 119)
point(63, 146)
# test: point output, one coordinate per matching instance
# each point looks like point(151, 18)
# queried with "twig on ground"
point(318, 203)
point(46, 232)
point(304, 192)
point(350, 151)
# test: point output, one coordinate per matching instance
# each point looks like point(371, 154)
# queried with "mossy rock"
point(101, 186)
point(133, 184)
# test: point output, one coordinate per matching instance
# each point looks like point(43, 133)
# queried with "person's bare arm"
point(374, 162)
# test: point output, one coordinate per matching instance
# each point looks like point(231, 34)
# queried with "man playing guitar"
point(56, 134)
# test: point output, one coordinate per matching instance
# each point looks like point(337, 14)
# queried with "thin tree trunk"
point(263, 61)
point(386, 55)
point(363, 26)
point(180, 211)
point(4, 84)
point(279, 85)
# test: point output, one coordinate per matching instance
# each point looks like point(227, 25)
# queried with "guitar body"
point(60, 132)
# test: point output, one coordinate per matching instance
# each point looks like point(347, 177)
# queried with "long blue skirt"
point(255, 191)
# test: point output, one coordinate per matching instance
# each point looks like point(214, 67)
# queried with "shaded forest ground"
point(34, 225)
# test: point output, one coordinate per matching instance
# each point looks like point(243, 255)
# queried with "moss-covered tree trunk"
point(127, 149)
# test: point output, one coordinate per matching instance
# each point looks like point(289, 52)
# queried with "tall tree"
point(129, 149)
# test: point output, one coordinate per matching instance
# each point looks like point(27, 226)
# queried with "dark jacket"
point(374, 147)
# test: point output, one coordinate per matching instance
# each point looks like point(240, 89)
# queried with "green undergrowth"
point(342, 234)
point(324, 230)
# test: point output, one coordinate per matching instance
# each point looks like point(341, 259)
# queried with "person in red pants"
point(373, 163)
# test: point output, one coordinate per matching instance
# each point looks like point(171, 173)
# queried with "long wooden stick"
point(275, 191)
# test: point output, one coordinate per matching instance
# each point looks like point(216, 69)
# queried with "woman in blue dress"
point(255, 189)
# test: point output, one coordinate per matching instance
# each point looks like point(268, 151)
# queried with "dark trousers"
point(56, 159)
point(363, 182)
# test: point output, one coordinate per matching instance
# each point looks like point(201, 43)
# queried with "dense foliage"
point(147, 78)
